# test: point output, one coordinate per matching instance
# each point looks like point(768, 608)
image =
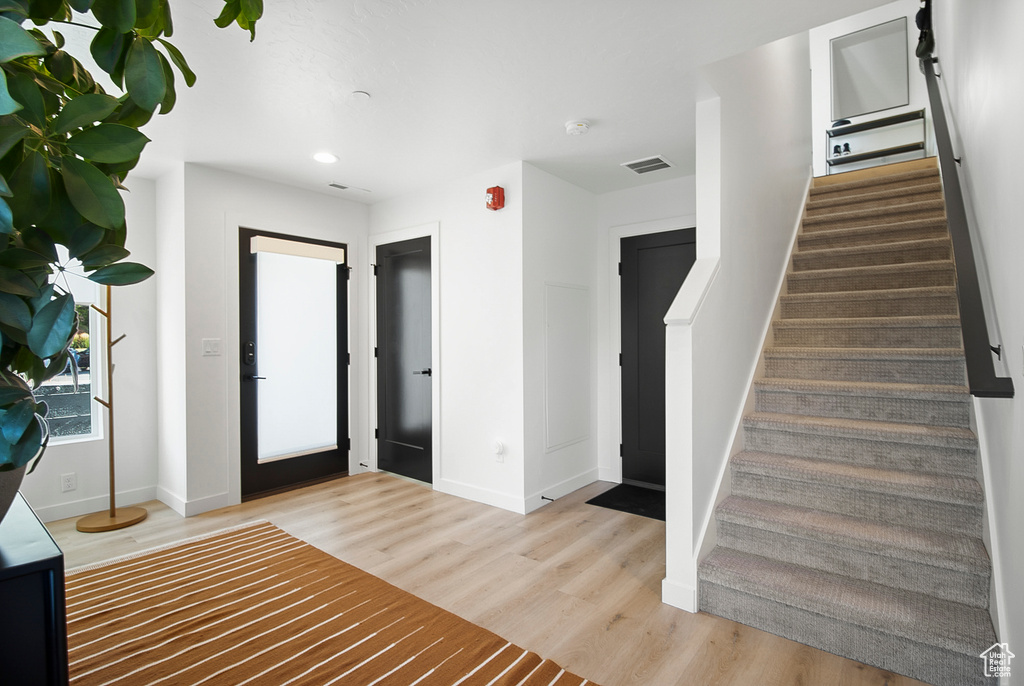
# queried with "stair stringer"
point(707, 538)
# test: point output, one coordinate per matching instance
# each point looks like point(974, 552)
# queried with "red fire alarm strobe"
point(495, 198)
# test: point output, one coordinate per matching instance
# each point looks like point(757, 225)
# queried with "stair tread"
point(872, 193)
point(858, 322)
point(873, 248)
point(881, 294)
point(871, 212)
point(944, 550)
point(960, 490)
point(946, 436)
point(912, 616)
point(875, 269)
point(867, 230)
point(867, 388)
point(866, 353)
point(885, 180)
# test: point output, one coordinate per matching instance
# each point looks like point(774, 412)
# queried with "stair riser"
point(881, 217)
point(813, 282)
point(866, 306)
point(874, 408)
point(824, 259)
point(853, 202)
point(851, 501)
point(868, 337)
point(920, 661)
point(875, 236)
point(938, 371)
point(874, 453)
point(955, 585)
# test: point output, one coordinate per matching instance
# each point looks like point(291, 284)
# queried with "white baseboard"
point(481, 495)
point(610, 474)
point(212, 502)
point(77, 508)
point(679, 595)
point(566, 487)
point(190, 508)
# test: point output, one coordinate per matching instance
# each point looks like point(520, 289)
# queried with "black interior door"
point(262, 477)
point(653, 268)
point(404, 374)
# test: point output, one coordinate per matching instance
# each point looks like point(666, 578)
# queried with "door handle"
point(252, 377)
point(425, 372)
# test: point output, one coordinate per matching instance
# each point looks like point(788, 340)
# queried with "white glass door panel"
point(296, 319)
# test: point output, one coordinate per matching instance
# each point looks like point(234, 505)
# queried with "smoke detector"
point(577, 127)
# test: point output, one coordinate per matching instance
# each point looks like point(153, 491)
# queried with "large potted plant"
point(66, 147)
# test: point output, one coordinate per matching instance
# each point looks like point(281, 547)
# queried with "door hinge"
point(375, 351)
point(620, 269)
point(622, 451)
point(620, 359)
point(376, 433)
point(374, 270)
point(348, 358)
point(348, 443)
point(348, 271)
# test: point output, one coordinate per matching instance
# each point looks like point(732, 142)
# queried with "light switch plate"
point(211, 347)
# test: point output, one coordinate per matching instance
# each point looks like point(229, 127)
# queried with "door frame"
point(343, 343)
point(433, 230)
point(610, 459)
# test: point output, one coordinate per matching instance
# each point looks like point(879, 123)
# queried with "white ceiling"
point(458, 86)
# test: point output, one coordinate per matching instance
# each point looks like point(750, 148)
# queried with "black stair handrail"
point(981, 375)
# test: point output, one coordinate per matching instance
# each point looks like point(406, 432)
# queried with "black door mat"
point(637, 500)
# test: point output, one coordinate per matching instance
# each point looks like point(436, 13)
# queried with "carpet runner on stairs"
point(854, 522)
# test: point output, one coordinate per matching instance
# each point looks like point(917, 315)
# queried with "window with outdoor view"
point(72, 413)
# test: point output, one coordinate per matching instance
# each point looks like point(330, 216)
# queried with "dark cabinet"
point(33, 627)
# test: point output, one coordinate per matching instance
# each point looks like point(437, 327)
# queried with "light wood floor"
point(578, 584)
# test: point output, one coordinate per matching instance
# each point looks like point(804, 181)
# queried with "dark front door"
point(404, 374)
point(652, 270)
point(293, 323)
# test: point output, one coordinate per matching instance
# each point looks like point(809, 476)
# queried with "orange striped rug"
point(254, 605)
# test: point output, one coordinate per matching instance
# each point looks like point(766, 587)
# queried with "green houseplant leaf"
point(179, 62)
point(84, 110)
point(144, 75)
point(92, 193)
point(16, 42)
point(118, 15)
point(108, 143)
point(52, 326)
point(121, 274)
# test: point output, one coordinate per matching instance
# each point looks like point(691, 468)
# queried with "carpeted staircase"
point(855, 519)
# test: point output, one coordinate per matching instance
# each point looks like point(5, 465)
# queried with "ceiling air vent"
point(338, 186)
point(648, 164)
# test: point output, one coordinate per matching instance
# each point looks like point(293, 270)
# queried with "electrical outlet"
point(68, 482)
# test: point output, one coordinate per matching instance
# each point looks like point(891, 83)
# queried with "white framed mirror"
point(870, 70)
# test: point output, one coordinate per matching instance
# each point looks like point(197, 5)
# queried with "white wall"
point(216, 203)
point(135, 395)
point(559, 345)
point(764, 153)
point(980, 60)
point(660, 206)
point(821, 80)
point(481, 370)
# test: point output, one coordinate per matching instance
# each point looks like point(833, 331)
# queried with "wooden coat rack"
point(115, 517)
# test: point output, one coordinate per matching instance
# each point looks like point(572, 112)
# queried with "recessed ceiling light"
point(325, 157)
